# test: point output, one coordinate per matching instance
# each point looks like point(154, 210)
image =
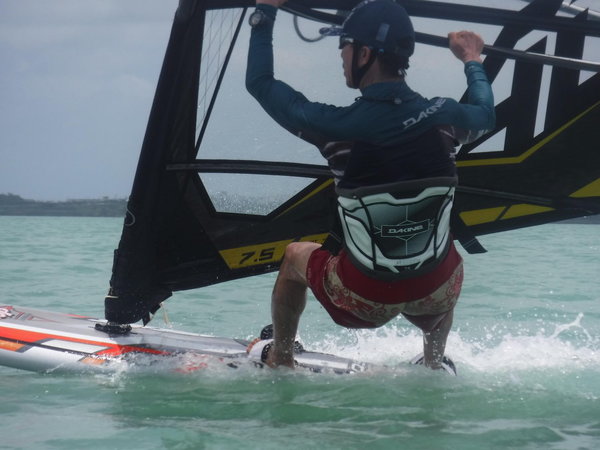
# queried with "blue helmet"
point(382, 25)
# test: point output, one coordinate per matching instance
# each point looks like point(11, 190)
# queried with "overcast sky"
point(76, 85)
point(78, 79)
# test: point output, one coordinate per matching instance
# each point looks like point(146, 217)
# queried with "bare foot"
point(276, 359)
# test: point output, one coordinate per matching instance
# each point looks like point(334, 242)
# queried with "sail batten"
point(253, 167)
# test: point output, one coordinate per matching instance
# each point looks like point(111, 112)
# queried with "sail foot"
point(127, 308)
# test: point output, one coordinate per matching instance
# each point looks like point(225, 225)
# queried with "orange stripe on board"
point(10, 345)
point(32, 337)
point(123, 349)
point(92, 361)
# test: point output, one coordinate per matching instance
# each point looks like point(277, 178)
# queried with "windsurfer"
point(391, 134)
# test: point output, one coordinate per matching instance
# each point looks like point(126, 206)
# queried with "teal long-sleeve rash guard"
point(392, 132)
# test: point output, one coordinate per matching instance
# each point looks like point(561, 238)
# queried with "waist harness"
point(397, 230)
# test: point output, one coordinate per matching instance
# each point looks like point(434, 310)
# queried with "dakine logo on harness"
point(403, 230)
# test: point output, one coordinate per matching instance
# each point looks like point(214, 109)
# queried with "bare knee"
point(293, 251)
point(290, 259)
point(295, 260)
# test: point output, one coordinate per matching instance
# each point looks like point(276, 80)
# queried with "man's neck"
point(368, 81)
point(374, 75)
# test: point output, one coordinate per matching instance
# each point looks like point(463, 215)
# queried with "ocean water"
point(525, 340)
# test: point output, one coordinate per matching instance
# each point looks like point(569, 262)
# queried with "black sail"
point(175, 238)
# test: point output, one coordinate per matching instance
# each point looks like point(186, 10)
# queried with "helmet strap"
point(359, 72)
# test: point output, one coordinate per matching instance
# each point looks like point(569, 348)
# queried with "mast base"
point(113, 328)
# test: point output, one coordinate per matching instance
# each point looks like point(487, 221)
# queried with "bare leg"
point(435, 334)
point(434, 341)
point(288, 302)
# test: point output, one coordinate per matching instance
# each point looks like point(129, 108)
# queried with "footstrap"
point(447, 364)
point(260, 350)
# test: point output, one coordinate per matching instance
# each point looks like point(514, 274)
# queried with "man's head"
point(384, 27)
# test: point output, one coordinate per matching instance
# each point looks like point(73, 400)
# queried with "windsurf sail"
point(218, 195)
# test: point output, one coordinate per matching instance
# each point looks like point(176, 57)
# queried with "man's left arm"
point(478, 115)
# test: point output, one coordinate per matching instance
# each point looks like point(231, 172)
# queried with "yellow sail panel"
point(524, 209)
point(265, 253)
point(523, 156)
point(477, 216)
point(252, 255)
point(591, 190)
point(311, 194)
point(318, 238)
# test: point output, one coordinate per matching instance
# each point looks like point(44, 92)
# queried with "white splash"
point(491, 352)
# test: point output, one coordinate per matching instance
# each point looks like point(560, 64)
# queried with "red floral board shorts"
point(354, 300)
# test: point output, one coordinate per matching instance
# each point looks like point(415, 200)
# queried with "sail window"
point(238, 128)
point(219, 31)
point(251, 194)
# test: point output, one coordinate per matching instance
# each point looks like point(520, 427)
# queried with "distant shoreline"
point(14, 205)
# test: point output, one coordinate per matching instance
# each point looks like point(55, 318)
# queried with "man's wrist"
point(269, 10)
point(264, 14)
point(259, 18)
point(472, 58)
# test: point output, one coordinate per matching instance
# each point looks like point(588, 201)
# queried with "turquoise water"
point(525, 341)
